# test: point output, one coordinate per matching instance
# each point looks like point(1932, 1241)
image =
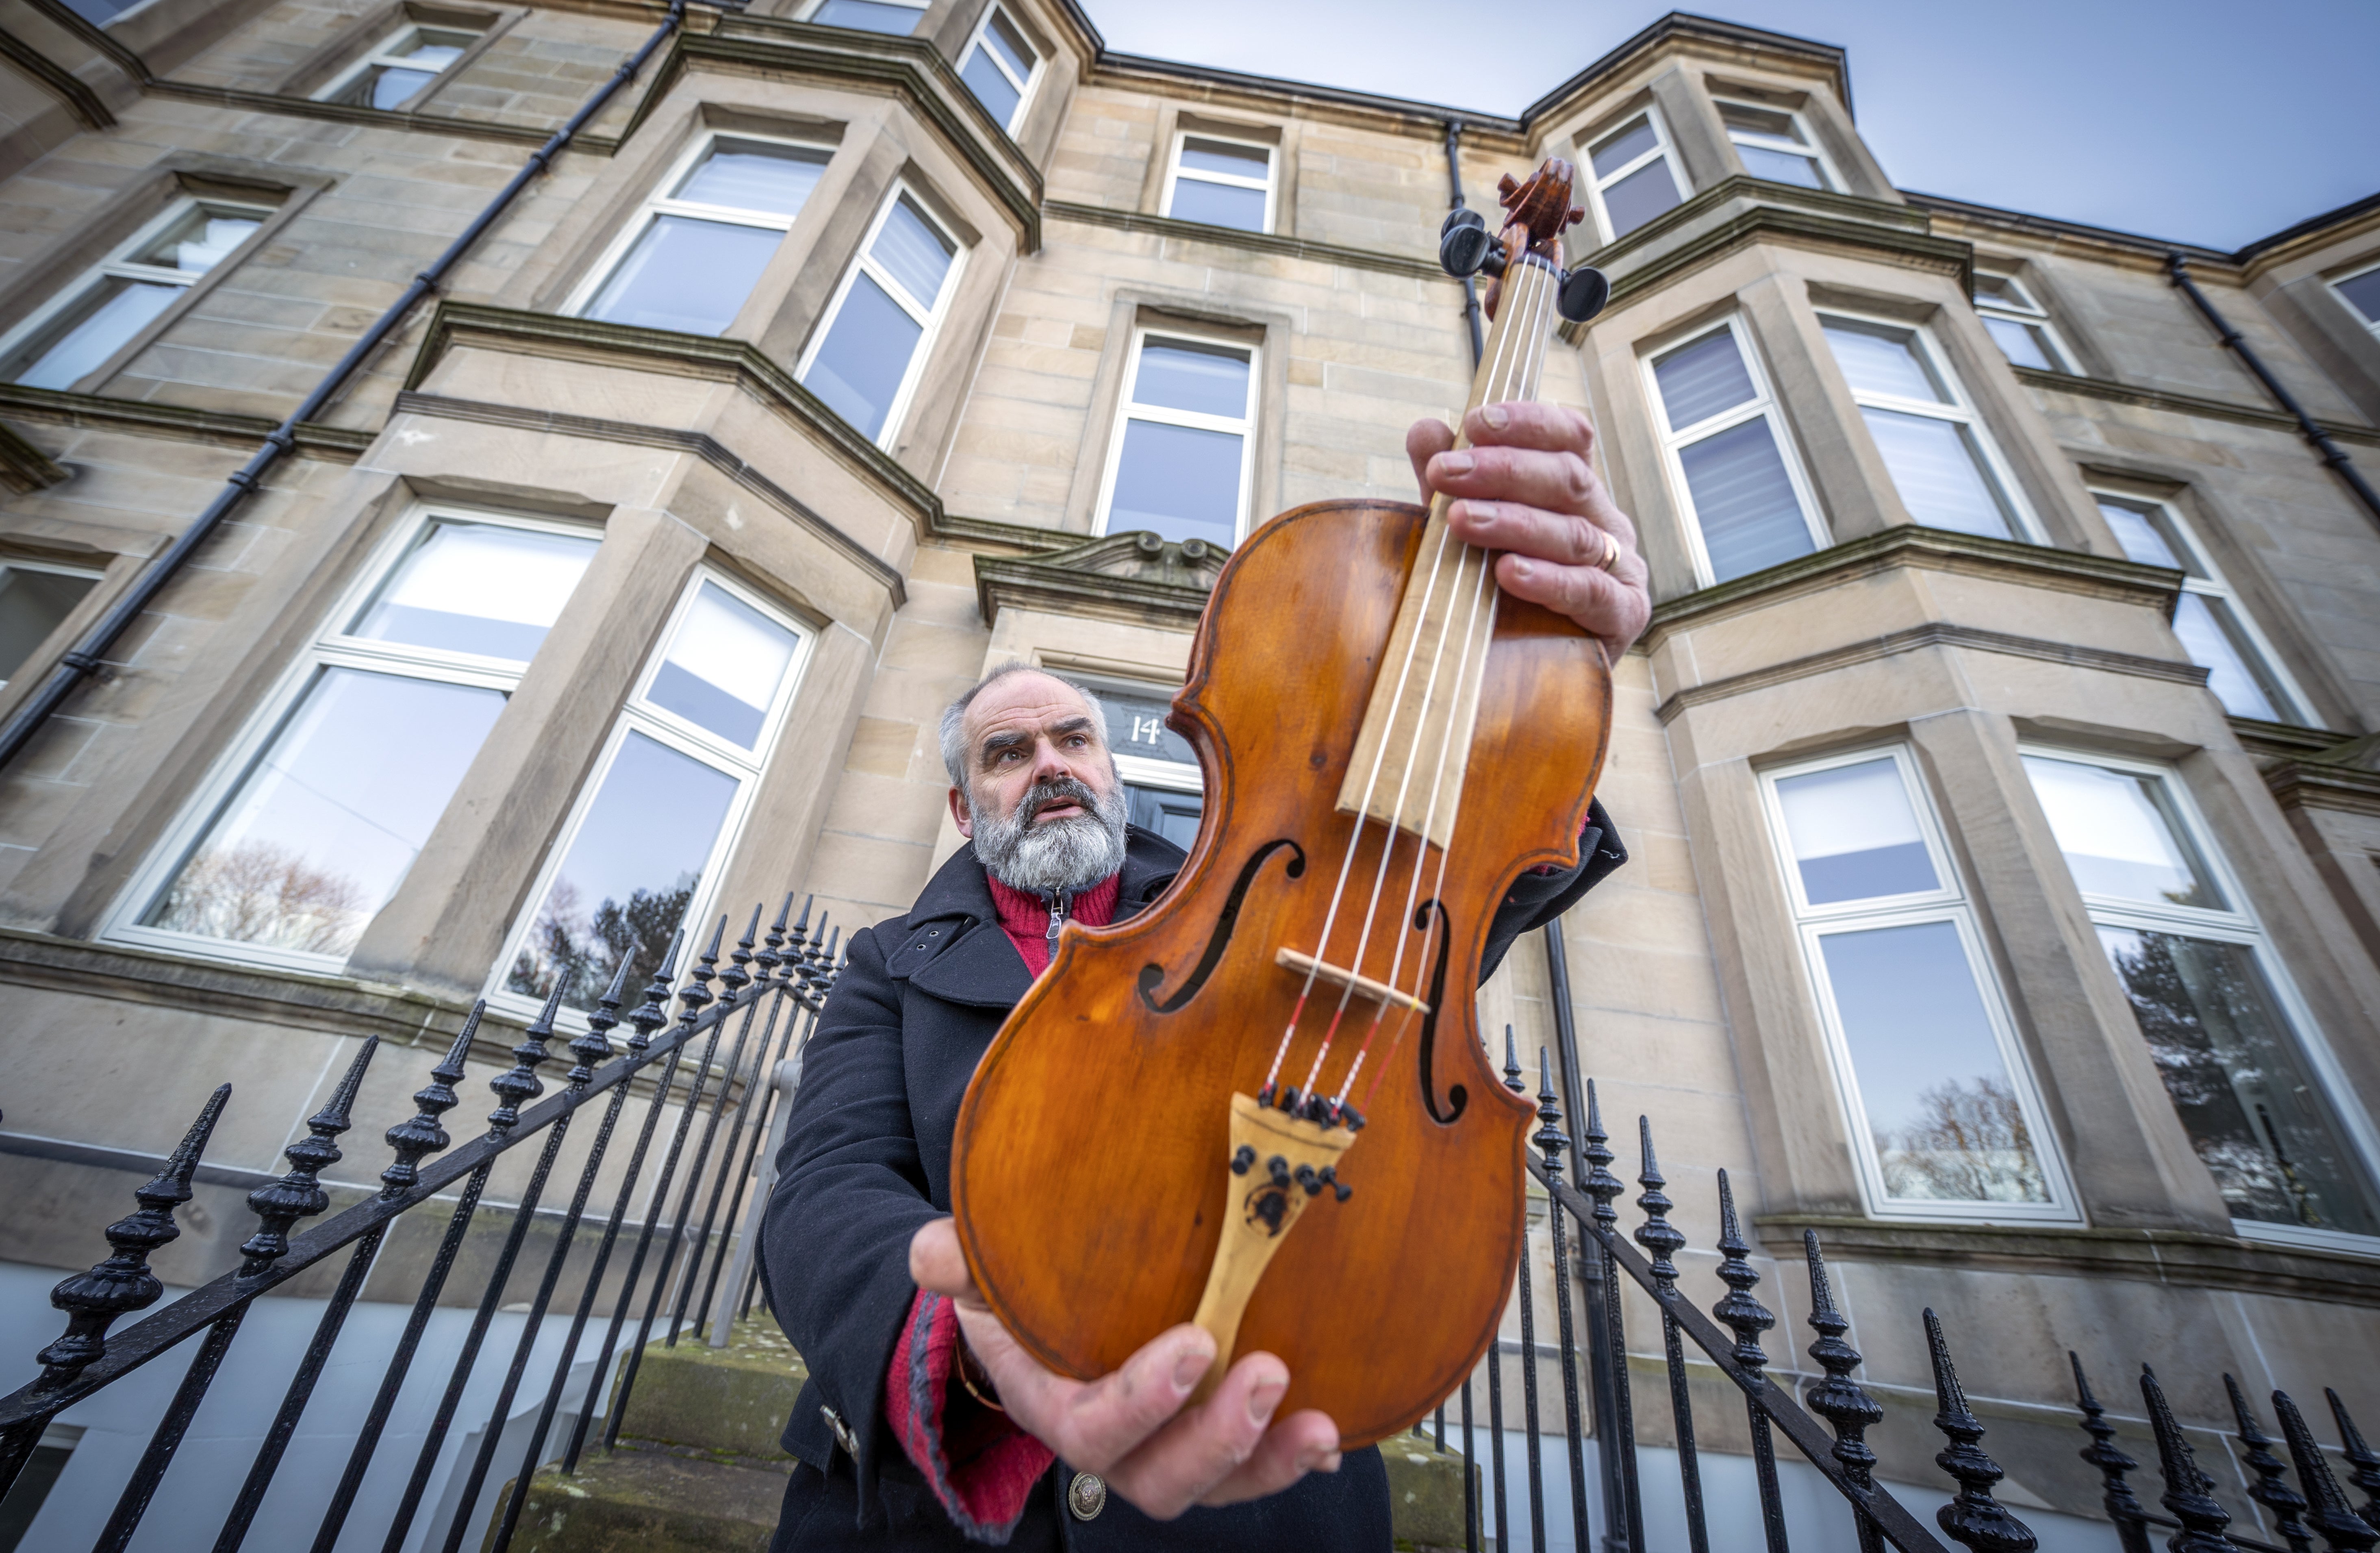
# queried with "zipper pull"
point(1058, 906)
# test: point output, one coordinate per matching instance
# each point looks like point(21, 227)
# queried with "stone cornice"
point(705, 447)
point(2183, 1258)
point(1697, 232)
point(340, 444)
point(2316, 785)
point(25, 468)
point(1136, 577)
point(908, 68)
point(2185, 404)
point(63, 84)
point(1677, 27)
point(1254, 242)
point(2034, 565)
point(2105, 243)
point(343, 113)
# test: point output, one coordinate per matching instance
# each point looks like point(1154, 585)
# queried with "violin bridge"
point(1337, 976)
point(1279, 1164)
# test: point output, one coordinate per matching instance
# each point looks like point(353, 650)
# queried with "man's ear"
point(959, 816)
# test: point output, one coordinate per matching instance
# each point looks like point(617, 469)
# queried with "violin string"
point(1525, 325)
point(1538, 336)
point(1505, 339)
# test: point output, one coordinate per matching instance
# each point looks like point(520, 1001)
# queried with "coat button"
point(842, 1435)
point(1087, 1495)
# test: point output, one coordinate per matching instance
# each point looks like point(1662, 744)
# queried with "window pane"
point(1223, 156)
point(1173, 815)
point(1136, 726)
point(1622, 146)
point(94, 328)
point(2117, 835)
point(859, 368)
point(327, 822)
point(869, 16)
point(2243, 1093)
point(1743, 500)
point(1882, 360)
point(480, 587)
point(914, 251)
point(1641, 196)
point(198, 242)
point(2021, 343)
point(2141, 535)
point(1941, 1105)
point(32, 605)
point(631, 872)
point(2211, 640)
point(743, 175)
point(993, 89)
point(1936, 470)
point(687, 275)
point(724, 668)
point(2004, 290)
point(1853, 833)
point(1004, 38)
point(1780, 166)
point(433, 51)
point(99, 13)
point(1219, 205)
point(388, 86)
point(1699, 380)
point(2364, 292)
point(1178, 482)
point(1760, 121)
point(1183, 376)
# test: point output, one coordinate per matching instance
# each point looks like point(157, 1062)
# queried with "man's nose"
point(1049, 765)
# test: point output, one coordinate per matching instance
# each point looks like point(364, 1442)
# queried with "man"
point(923, 1424)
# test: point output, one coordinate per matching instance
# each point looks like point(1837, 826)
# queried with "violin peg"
point(1577, 215)
point(1505, 186)
point(1243, 1159)
point(1309, 1180)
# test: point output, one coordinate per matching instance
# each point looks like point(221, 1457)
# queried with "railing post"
point(1748, 1318)
point(1974, 1518)
point(1608, 1338)
point(2189, 1495)
point(2129, 1517)
point(1662, 1240)
point(1840, 1399)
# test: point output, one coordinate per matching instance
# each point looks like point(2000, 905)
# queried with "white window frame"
point(1961, 411)
point(1024, 88)
point(380, 55)
point(2208, 581)
point(12, 563)
point(2353, 310)
point(1809, 145)
point(1673, 443)
point(810, 11)
point(2027, 310)
point(128, 11)
point(1175, 172)
point(119, 265)
point(1128, 411)
point(661, 203)
point(1946, 902)
point(1597, 183)
point(931, 321)
point(637, 714)
point(329, 647)
point(2237, 925)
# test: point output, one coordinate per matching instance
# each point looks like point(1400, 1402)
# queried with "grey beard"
point(1070, 854)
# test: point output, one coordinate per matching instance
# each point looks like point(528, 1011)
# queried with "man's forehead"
point(1022, 702)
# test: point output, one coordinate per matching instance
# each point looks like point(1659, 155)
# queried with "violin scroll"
point(1536, 212)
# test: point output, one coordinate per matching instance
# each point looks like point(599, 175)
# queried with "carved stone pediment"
point(1137, 578)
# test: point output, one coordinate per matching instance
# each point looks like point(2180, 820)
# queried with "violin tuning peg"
point(1466, 250)
point(1582, 293)
point(1463, 217)
point(1242, 1160)
point(1577, 215)
point(1309, 1180)
point(1505, 186)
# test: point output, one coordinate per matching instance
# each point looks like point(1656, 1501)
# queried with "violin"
point(1263, 1103)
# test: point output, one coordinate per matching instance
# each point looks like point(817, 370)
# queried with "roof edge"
point(2311, 225)
point(1687, 22)
point(1994, 214)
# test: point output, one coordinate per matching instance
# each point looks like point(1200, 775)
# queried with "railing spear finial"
point(2271, 1488)
point(421, 1136)
point(594, 1049)
point(736, 977)
point(299, 1193)
point(2342, 1529)
point(2189, 1495)
point(1741, 1313)
point(123, 1283)
point(2116, 1495)
point(1657, 1234)
point(1595, 1148)
point(1974, 1518)
point(1549, 1140)
point(1840, 1399)
point(518, 1084)
point(653, 1012)
point(2360, 1457)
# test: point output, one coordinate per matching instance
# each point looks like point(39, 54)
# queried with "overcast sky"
point(2205, 122)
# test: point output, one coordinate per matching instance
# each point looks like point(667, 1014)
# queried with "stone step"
point(734, 1400)
point(1425, 1492)
point(637, 1501)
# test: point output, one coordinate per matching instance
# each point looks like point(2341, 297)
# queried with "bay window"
point(306, 831)
point(1745, 500)
point(1631, 177)
point(895, 18)
point(1944, 1120)
point(1178, 465)
point(641, 852)
point(2217, 634)
point(2255, 1087)
point(864, 362)
point(693, 254)
point(2019, 324)
point(1943, 463)
point(2361, 291)
point(1000, 65)
point(35, 597)
point(1773, 143)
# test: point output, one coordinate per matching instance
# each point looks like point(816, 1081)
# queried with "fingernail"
point(1523, 570)
point(1495, 416)
point(1454, 463)
point(1188, 1367)
point(1318, 1461)
point(1263, 1397)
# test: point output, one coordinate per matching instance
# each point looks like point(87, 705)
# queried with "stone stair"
point(698, 1471)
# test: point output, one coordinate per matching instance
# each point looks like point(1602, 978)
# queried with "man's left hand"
point(1526, 486)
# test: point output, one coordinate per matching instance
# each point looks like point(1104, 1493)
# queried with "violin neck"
point(1416, 742)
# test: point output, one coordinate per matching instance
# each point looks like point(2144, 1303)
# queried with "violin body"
point(1090, 1175)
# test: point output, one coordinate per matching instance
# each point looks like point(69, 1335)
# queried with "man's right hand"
point(1130, 1427)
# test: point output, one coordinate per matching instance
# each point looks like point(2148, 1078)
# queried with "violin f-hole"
point(1153, 976)
point(1457, 1097)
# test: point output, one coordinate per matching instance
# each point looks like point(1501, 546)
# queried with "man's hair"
point(955, 750)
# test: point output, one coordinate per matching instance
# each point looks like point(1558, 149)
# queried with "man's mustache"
point(1049, 795)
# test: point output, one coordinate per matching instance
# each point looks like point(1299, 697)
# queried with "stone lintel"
point(1135, 578)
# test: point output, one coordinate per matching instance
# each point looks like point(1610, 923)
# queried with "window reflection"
point(1853, 833)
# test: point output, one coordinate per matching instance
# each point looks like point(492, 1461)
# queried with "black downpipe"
point(1470, 292)
point(87, 655)
point(2332, 454)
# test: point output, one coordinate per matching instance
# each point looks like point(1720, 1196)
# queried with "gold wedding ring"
point(1610, 549)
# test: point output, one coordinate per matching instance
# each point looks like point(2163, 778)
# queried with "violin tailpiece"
point(1279, 1163)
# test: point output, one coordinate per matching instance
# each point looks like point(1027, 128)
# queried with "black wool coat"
point(867, 1160)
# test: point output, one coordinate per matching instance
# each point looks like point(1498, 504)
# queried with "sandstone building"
point(1999, 768)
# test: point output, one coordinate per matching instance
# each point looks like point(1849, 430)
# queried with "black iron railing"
point(785, 975)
